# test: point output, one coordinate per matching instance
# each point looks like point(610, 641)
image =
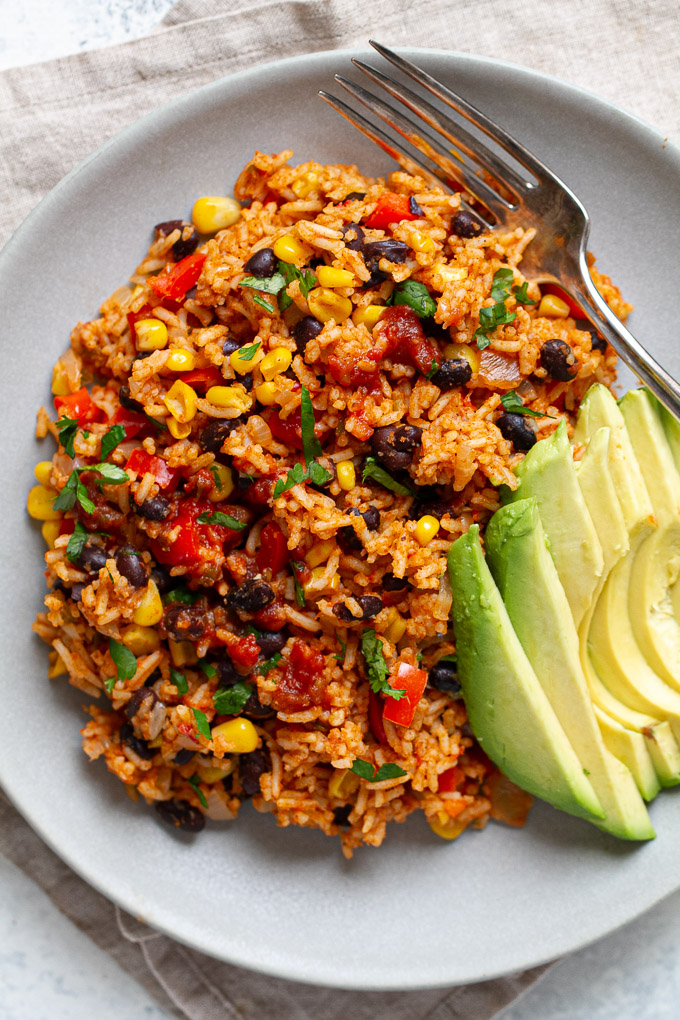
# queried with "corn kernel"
point(316, 575)
point(449, 274)
point(179, 360)
point(181, 401)
point(420, 241)
point(276, 362)
point(40, 504)
point(230, 396)
point(182, 653)
point(60, 386)
point(471, 354)
point(141, 640)
point(368, 315)
point(208, 774)
point(238, 736)
point(343, 784)
point(447, 828)
point(178, 429)
point(289, 249)
point(319, 553)
point(396, 630)
point(50, 532)
point(150, 335)
point(223, 482)
point(553, 307)
point(346, 475)
point(305, 185)
point(57, 667)
point(325, 305)
point(214, 212)
point(150, 610)
point(266, 393)
point(42, 472)
point(426, 529)
point(330, 277)
point(245, 365)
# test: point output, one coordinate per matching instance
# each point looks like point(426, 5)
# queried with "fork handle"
point(639, 360)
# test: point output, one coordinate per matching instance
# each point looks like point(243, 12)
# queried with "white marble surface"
point(48, 969)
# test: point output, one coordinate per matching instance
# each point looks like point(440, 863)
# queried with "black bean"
point(156, 508)
point(271, 641)
point(230, 345)
point(185, 246)
point(181, 815)
point(228, 782)
point(140, 747)
point(77, 591)
point(247, 382)
point(162, 579)
point(515, 429)
point(167, 227)
point(370, 606)
point(395, 445)
point(466, 224)
point(131, 566)
point(371, 517)
point(250, 767)
point(263, 263)
point(251, 596)
point(444, 677)
point(128, 402)
point(355, 243)
point(452, 372)
point(597, 342)
point(434, 507)
point(135, 703)
point(183, 756)
point(559, 360)
point(341, 815)
point(226, 672)
point(391, 582)
point(254, 709)
point(92, 558)
point(414, 208)
point(393, 251)
point(305, 330)
point(356, 196)
point(434, 331)
point(348, 540)
point(213, 435)
point(184, 623)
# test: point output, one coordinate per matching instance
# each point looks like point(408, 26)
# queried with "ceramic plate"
point(419, 911)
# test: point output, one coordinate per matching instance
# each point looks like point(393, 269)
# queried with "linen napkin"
point(53, 115)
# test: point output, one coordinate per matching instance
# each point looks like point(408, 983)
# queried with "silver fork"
point(446, 153)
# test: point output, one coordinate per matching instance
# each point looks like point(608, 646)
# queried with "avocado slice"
point(652, 451)
point(522, 567)
point(597, 487)
point(508, 711)
point(629, 747)
point(548, 474)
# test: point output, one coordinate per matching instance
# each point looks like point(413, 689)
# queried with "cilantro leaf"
point(318, 474)
point(193, 783)
point(207, 668)
point(231, 700)
point(311, 447)
point(202, 724)
point(263, 304)
point(124, 660)
point(434, 368)
point(182, 595)
point(114, 436)
point(67, 433)
point(111, 473)
point(249, 352)
point(500, 287)
point(76, 542)
point(512, 402)
point(270, 664)
point(299, 590)
point(290, 272)
point(66, 499)
point(416, 296)
point(373, 470)
point(489, 320)
point(266, 284)
point(225, 520)
point(521, 295)
point(179, 680)
point(217, 478)
point(372, 649)
point(110, 683)
point(364, 769)
point(340, 656)
point(296, 475)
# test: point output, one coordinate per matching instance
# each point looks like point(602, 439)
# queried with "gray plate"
point(420, 911)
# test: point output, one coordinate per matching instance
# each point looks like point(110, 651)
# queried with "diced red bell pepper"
point(412, 681)
point(132, 422)
point(289, 430)
point(390, 208)
point(179, 277)
point(79, 406)
point(273, 552)
point(67, 526)
point(245, 652)
point(450, 780)
point(134, 317)
point(204, 378)
point(194, 543)
point(375, 718)
point(142, 462)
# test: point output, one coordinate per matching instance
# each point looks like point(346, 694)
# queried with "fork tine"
point(418, 167)
point(431, 148)
point(471, 113)
point(473, 148)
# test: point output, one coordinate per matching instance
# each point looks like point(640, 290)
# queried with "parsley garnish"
point(512, 402)
point(372, 648)
point(434, 368)
point(295, 476)
point(263, 304)
point(78, 539)
point(249, 352)
point(373, 470)
point(181, 595)
point(299, 590)
point(193, 783)
point(270, 664)
point(75, 490)
point(202, 724)
point(114, 436)
point(110, 683)
point(217, 478)
point(340, 656)
point(179, 680)
point(207, 668)
point(225, 520)
point(500, 287)
point(416, 296)
point(231, 700)
point(124, 661)
point(496, 315)
point(67, 433)
point(290, 272)
point(521, 295)
point(390, 770)
point(311, 448)
point(266, 284)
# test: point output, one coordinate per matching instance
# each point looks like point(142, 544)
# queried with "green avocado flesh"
point(509, 713)
point(536, 603)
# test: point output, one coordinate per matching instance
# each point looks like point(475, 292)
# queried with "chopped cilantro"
point(207, 668)
point(76, 542)
point(181, 595)
point(512, 402)
point(270, 664)
point(179, 680)
point(110, 683)
point(225, 520)
point(266, 284)
point(202, 724)
point(373, 470)
point(364, 769)
point(74, 489)
point(124, 660)
point(489, 320)
point(306, 278)
point(231, 700)
point(193, 783)
point(521, 295)
point(500, 286)
point(114, 436)
point(295, 476)
point(217, 478)
point(299, 590)
point(416, 296)
point(372, 649)
point(263, 304)
point(111, 473)
point(434, 368)
point(311, 448)
point(67, 433)
point(340, 656)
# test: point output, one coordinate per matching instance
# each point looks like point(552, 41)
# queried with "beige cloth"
point(52, 115)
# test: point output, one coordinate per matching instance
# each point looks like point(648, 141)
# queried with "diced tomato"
point(273, 552)
point(412, 681)
point(132, 422)
point(204, 378)
point(451, 779)
point(390, 208)
point(302, 682)
point(67, 526)
point(179, 277)
point(245, 652)
point(142, 462)
point(272, 617)
point(375, 718)
point(79, 406)
point(406, 339)
point(287, 430)
point(196, 544)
